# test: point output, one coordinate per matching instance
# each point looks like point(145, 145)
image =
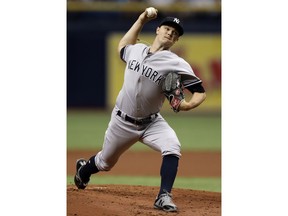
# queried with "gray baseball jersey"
point(141, 97)
point(141, 93)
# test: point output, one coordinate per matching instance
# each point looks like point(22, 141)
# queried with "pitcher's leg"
point(119, 136)
point(110, 153)
point(161, 137)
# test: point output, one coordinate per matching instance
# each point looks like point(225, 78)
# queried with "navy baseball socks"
point(84, 169)
point(168, 174)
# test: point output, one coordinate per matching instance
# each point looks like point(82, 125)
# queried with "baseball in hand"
point(151, 12)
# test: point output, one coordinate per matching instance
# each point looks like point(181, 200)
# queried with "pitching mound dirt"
point(123, 200)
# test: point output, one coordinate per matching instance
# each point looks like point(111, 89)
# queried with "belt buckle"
point(139, 121)
point(146, 120)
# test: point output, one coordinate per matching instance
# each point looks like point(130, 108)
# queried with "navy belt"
point(137, 121)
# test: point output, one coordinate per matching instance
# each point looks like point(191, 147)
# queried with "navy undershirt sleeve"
point(122, 53)
point(196, 88)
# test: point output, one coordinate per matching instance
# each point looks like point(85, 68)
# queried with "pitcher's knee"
point(172, 150)
point(103, 165)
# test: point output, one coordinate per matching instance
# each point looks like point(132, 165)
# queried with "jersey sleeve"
point(188, 76)
point(123, 53)
point(128, 50)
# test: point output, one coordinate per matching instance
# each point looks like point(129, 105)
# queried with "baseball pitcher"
point(152, 75)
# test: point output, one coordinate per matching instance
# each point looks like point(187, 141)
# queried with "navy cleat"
point(77, 179)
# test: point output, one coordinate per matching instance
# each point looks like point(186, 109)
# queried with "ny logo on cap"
point(176, 20)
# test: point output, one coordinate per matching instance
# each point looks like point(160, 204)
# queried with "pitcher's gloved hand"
point(173, 90)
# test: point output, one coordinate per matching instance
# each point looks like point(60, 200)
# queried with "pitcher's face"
point(167, 35)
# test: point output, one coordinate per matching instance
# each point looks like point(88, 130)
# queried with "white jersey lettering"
point(147, 72)
point(134, 65)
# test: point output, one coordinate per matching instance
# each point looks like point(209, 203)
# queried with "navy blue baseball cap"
point(174, 22)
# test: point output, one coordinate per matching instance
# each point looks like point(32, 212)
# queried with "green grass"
point(205, 184)
point(86, 129)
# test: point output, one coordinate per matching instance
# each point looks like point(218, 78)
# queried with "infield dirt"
point(125, 200)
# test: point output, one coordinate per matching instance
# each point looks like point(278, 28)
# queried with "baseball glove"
point(173, 90)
